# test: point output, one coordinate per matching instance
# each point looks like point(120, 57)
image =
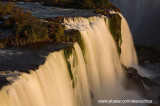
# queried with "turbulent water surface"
point(49, 11)
point(24, 58)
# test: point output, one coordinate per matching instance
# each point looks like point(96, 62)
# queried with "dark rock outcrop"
point(148, 82)
point(147, 54)
point(137, 82)
point(103, 12)
point(3, 81)
point(145, 86)
point(8, 77)
point(134, 81)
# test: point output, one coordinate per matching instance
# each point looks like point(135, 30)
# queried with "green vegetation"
point(103, 4)
point(147, 53)
point(58, 33)
point(115, 29)
point(67, 53)
point(85, 4)
point(29, 29)
point(73, 35)
point(149, 50)
point(26, 29)
point(6, 8)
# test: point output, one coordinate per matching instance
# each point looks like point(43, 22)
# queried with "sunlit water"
point(97, 71)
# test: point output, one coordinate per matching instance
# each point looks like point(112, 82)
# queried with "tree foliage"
point(6, 8)
point(26, 28)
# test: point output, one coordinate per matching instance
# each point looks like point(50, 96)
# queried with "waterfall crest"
point(97, 73)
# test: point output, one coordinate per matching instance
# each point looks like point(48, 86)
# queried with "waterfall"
point(47, 86)
point(128, 55)
point(97, 71)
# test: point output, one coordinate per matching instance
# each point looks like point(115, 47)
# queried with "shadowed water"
point(25, 58)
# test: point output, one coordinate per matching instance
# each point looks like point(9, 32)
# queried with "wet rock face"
point(147, 54)
point(3, 81)
point(132, 71)
point(145, 86)
point(148, 82)
point(133, 74)
point(135, 81)
point(7, 77)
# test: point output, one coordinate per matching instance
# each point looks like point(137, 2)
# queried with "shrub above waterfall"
point(27, 28)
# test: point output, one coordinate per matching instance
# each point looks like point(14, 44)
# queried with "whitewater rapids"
point(97, 71)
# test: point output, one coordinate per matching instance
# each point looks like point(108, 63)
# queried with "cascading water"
point(128, 55)
point(97, 72)
point(49, 85)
